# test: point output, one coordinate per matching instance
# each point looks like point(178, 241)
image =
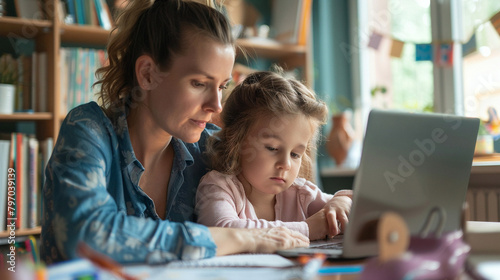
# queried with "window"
point(404, 83)
point(399, 82)
point(481, 71)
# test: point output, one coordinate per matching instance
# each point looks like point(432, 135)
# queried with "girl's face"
point(272, 153)
point(183, 99)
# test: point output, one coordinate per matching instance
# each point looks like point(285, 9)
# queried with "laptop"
point(410, 163)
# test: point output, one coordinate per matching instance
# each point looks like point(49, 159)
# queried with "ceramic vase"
point(340, 138)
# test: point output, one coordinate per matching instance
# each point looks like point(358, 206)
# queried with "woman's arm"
point(267, 240)
point(89, 196)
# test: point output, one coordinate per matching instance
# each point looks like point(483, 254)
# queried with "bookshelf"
point(48, 35)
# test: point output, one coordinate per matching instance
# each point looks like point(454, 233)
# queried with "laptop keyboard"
point(338, 245)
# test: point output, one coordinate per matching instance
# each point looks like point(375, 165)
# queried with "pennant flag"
point(397, 48)
point(375, 40)
point(470, 46)
point(423, 52)
point(495, 21)
point(444, 55)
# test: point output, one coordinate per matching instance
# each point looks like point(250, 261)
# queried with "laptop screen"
point(410, 163)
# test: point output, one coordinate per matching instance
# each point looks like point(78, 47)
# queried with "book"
point(80, 11)
point(29, 9)
point(26, 82)
point(33, 182)
point(34, 83)
point(305, 22)
point(483, 237)
point(90, 13)
point(25, 182)
point(71, 18)
point(285, 20)
point(19, 179)
point(11, 210)
point(102, 14)
point(42, 81)
point(4, 167)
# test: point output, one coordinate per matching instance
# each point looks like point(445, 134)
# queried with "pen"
point(311, 265)
point(103, 261)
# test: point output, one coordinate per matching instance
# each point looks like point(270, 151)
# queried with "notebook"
point(410, 163)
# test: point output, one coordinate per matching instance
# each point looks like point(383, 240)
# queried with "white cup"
point(7, 98)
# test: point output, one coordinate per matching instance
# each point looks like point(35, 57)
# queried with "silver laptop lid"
point(410, 163)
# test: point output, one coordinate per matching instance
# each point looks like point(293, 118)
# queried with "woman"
point(123, 177)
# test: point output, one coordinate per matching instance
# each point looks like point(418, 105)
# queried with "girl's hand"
point(337, 212)
point(318, 226)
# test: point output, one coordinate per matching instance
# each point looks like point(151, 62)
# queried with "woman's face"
point(183, 99)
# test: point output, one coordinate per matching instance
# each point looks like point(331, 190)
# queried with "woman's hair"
point(161, 29)
point(263, 95)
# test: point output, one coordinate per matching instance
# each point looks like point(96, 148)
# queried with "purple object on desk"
point(436, 256)
point(427, 258)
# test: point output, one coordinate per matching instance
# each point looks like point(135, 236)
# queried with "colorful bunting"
point(444, 55)
point(375, 40)
point(470, 46)
point(423, 52)
point(495, 21)
point(441, 51)
point(397, 48)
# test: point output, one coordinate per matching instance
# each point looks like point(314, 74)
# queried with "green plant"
point(377, 89)
point(8, 70)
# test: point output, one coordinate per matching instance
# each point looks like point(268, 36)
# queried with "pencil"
point(103, 261)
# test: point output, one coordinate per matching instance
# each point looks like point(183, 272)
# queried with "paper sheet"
point(244, 266)
point(244, 260)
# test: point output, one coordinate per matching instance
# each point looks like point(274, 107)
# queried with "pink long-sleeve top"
point(221, 201)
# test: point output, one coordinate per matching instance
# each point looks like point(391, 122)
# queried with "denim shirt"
point(91, 194)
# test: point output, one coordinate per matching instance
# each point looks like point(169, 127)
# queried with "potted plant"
point(8, 81)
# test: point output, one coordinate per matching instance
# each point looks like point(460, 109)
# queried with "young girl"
point(270, 128)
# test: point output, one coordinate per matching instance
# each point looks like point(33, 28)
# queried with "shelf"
point(270, 49)
point(84, 34)
point(22, 232)
point(24, 28)
point(44, 116)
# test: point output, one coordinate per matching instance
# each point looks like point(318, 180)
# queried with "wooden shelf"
point(270, 49)
point(23, 28)
point(22, 232)
point(84, 34)
point(44, 116)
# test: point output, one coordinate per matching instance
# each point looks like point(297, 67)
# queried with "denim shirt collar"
point(182, 158)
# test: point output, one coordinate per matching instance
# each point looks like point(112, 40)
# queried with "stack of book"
point(88, 12)
point(31, 85)
point(78, 67)
point(22, 161)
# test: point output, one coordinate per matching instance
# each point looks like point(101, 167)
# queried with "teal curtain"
point(332, 69)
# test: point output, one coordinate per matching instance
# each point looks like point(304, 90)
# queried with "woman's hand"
point(262, 240)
